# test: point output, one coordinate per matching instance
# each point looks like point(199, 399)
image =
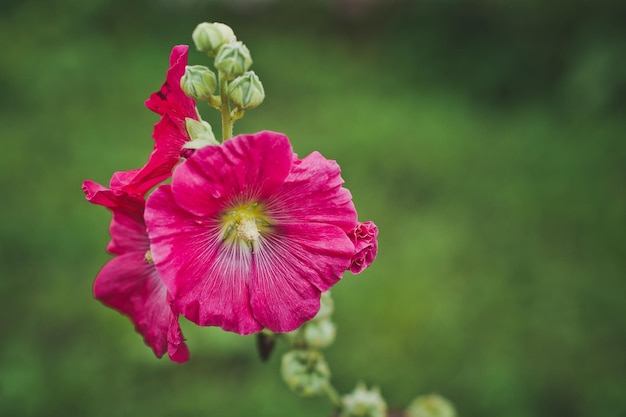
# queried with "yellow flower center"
point(244, 223)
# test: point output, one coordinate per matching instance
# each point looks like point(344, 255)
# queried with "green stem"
point(333, 396)
point(227, 120)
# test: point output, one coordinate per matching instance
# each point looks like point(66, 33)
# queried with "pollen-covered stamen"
point(148, 257)
point(247, 230)
point(244, 223)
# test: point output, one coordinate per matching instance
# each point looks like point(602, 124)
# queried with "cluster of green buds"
point(307, 373)
point(363, 403)
point(235, 89)
point(304, 368)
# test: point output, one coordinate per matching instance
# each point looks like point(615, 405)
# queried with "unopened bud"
point(199, 82)
point(364, 403)
point(431, 405)
point(319, 334)
point(305, 372)
point(314, 334)
point(246, 91)
point(209, 37)
point(233, 59)
point(326, 307)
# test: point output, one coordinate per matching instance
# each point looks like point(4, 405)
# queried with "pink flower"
point(170, 133)
point(129, 282)
point(247, 235)
point(365, 239)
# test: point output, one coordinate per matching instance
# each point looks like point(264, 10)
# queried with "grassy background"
point(486, 141)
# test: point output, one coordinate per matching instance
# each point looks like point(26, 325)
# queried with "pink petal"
point(170, 138)
point(313, 193)
point(128, 282)
point(176, 347)
point(170, 132)
point(127, 229)
point(171, 98)
point(132, 286)
point(290, 270)
point(246, 167)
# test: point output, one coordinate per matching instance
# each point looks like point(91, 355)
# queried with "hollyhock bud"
point(246, 91)
point(209, 37)
point(317, 333)
point(432, 405)
point(305, 372)
point(364, 403)
point(233, 59)
point(327, 306)
point(199, 82)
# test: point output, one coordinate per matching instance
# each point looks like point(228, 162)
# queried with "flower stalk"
point(333, 397)
point(237, 217)
point(227, 119)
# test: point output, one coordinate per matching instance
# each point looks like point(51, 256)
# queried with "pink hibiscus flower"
point(170, 133)
point(129, 283)
point(365, 239)
point(247, 235)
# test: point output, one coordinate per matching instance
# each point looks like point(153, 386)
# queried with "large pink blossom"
point(130, 283)
point(247, 235)
point(170, 132)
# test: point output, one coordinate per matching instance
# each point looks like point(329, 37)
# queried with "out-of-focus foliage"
point(485, 138)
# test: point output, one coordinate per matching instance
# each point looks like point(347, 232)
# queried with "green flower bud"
point(364, 403)
point(209, 37)
point(246, 91)
point(305, 372)
point(327, 307)
point(319, 334)
point(314, 334)
point(431, 405)
point(233, 59)
point(199, 82)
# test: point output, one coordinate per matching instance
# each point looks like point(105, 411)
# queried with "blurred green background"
point(486, 139)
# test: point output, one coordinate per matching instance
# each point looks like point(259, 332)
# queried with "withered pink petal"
point(127, 229)
point(170, 132)
point(169, 142)
point(365, 240)
point(130, 283)
point(176, 347)
point(171, 99)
